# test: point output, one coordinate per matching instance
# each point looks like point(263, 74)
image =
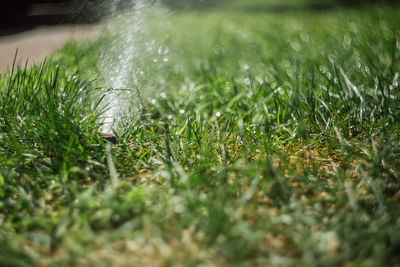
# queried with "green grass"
point(266, 139)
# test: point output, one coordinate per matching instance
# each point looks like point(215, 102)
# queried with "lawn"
point(248, 134)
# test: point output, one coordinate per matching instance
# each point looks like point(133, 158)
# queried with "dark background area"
point(24, 14)
point(20, 15)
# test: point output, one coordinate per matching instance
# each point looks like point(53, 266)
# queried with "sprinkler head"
point(109, 137)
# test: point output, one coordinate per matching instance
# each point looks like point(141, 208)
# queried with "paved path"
point(38, 43)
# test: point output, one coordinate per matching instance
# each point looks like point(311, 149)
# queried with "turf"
point(268, 138)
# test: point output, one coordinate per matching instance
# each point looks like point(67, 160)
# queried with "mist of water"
point(129, 61)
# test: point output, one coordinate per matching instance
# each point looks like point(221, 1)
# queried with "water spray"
point(125, 63)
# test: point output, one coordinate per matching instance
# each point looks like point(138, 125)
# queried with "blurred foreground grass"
point(266, 139)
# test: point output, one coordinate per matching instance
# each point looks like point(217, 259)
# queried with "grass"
point(266, 139)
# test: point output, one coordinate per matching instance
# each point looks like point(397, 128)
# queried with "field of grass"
point(267, 138)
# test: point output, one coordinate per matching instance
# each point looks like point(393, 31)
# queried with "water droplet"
point(304, 36)
point(346, 40)
point(296, 46)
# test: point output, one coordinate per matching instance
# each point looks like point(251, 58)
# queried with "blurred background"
point(30, 12)
point(37, 27)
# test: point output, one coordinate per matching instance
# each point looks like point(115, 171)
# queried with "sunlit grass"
point(266, 139)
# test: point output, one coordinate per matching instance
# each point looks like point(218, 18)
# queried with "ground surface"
point(250, 135)
point(35, 44)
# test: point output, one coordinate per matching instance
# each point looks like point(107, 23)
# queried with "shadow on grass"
point(311, 6)
point(282, 8)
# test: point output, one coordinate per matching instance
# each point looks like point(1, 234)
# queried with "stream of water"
point(129, 60)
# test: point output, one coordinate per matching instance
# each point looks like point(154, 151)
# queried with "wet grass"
point(266, 139)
